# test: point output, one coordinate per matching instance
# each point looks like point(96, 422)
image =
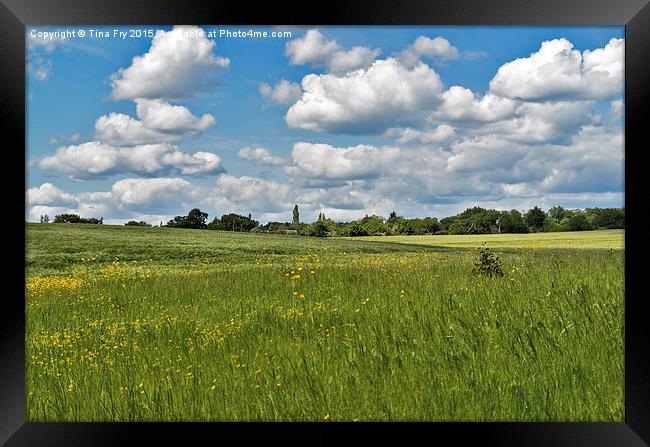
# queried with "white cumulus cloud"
point(559, 71)
point(440, 134)
point(386, 94)
point(542, 122)
point(151, 194)
point(95, 159)
point(283, 93)
point(179, 64)
point(260, 156)
point(483, 154)
point(247, 193)
point(592, 162)
point(159, 122)
point(160, 115)
point(49, 195)
point(118, 129)
point(127, 199)
point(315, 49)
point(439, 49)
point(461, 104)
point(324, 161)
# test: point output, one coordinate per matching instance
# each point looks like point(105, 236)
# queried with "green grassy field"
point(127, 324)
point(576, 239)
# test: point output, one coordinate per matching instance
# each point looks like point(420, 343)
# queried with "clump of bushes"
point(135, 223)
point(75, 218)
point(487, 264)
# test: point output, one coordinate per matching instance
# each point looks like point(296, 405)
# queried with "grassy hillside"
point(57, 247)
point(202, 325)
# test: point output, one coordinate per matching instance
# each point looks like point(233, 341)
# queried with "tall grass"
point(322, 331)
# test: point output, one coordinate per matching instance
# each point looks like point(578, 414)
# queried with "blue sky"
point(343, 120)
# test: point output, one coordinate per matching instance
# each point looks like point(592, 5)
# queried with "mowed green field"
point(156, 324)
point(613, 239)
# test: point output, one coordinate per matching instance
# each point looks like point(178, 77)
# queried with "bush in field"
point(487, 264)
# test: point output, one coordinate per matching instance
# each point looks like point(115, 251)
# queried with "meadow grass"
point(202, 325)
point(613, 239)
point(56, 248)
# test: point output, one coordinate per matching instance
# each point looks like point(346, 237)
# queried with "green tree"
point(475, 220)
point(318, 229)
point(446, 222)
point(577, 222)
point(177, 222)
point(403, 226)
point(512, 222)
point(607, 218)
point(75, 218)
point(195, 219)
point(557, 213)
point(134, 223)
point(427, 225)
point(551, 225)
point(356, 229)
point(535, 218)
point(372, 225)
point(233, 222)
point(392, 217)
point(296, 215)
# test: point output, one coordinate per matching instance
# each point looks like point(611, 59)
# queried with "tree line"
point(72, 218)
point(474, 220)
point(197, 219)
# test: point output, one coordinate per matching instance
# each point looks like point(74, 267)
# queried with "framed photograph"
point(375, 218)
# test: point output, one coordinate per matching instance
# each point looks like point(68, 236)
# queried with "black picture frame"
point(16, 15)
